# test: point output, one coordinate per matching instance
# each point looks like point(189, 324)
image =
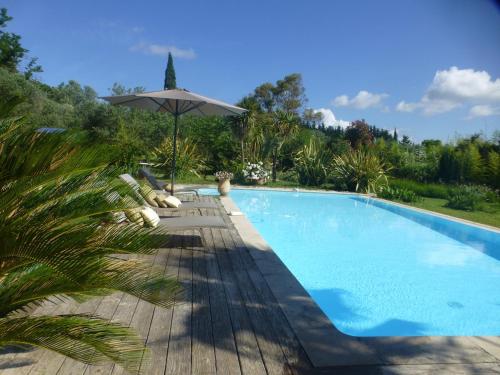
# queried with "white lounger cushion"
point(160, 199)
point(172, 201)
point(151, 218)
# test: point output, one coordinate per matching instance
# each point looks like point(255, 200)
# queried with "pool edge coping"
point(326, 346)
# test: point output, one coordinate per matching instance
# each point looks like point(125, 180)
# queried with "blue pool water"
point(377, 269)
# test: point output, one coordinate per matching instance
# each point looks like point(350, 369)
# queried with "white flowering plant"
point(255, 171)
point(223, 175)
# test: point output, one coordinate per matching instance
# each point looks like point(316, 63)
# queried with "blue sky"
point(430, 68)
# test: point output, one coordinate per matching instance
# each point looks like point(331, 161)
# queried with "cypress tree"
point(170, 82)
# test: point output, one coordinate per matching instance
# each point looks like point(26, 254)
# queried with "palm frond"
point(59, 241)
point(84, 338)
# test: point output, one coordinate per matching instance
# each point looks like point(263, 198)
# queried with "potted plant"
point(255, 173)
point(224, 179)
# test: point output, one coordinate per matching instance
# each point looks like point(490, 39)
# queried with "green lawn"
point(489, 215)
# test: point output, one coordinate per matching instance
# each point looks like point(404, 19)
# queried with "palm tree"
point(241, 126)
point(59, 240)
point(284, 125)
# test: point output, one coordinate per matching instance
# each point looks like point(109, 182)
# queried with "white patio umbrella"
point(177, 102)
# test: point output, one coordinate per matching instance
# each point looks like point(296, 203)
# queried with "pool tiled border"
point(326, 346)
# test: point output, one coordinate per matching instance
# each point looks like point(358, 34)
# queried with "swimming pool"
point(377, 269)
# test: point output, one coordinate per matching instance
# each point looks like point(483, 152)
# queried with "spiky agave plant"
point(58, 241)
point(189, 158)
point(360, 170)
point(312, 163)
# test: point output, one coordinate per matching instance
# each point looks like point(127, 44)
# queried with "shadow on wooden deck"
point(226, 321)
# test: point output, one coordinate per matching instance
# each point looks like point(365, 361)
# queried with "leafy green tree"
point(118, 89)
point(406, 141)
point(60, 242)
point(265, 96)
point(449, 165)
point(429, 143)
point(473, 164)
point(288, 95)
point(395, 135)
point(170, 80)
point(358, 134)
point(493, 169)
point(12, 52)
point(312, 118)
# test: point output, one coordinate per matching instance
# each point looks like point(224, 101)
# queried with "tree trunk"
point(242, 145)
point(274, 165)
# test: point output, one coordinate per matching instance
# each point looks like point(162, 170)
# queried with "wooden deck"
point(226, 322)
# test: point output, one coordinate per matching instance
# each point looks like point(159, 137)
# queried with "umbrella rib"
point(203, 113)
point(161, 105)
point(172, 110)
point(128, 101)
point(197, 106)
point(185, 106)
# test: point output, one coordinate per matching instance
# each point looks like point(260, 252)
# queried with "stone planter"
point(224, 186)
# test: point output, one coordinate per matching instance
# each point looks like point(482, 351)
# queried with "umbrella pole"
point(172, 190)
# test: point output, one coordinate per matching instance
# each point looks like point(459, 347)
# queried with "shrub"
point(404, 195)
point(253, 172)
point(360, 170)
point(312, 163)
point(421, 189)
point(189, 159)
point(466, 197)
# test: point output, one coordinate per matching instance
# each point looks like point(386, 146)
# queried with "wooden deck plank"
point(123, 314)
point(246, 343)
point(273, 356)
point(159, 332)
point(293, 351)
point(203, 353)
point(179, 345)
point(226, 355)
point(143, 315)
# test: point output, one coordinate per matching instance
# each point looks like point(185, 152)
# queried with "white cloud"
point(341, 101)
point(137, 29)
point(406, 107)
point(163, 50)
point(362, 100)
point(483, 110)
point(329, 120)
point(454, 88)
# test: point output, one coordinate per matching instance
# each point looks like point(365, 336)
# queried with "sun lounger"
point(164, 211)
point(181, 223)
point(144, 172)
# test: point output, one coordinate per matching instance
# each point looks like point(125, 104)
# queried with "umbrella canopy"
point(177, 102)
